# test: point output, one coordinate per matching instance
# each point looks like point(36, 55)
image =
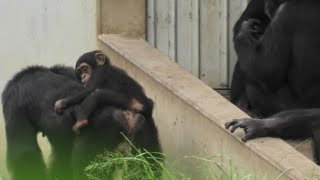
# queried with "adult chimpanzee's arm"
point(300, 123)
point(267, 57)
point(286, 124)
point(265, 61)
point(266, 103)
point(238, 89)
point(254, 10)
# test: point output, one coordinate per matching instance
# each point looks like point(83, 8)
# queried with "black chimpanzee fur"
point(281, 70)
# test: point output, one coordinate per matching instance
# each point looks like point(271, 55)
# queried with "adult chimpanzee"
point(105, 84)
point(247, 92)
point(254, 10)
point(27, 106)
point(284, 61)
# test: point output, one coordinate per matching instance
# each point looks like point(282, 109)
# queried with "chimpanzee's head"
point(88, 62)
point(271, 6)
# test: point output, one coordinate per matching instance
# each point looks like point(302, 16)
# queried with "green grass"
point(137, 166)
point(142, 165)
point(221, 167)
point(115, 165)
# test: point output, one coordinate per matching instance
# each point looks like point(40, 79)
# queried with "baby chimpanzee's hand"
point(59, 105)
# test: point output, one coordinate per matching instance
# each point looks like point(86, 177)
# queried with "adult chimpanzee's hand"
point(253, 128)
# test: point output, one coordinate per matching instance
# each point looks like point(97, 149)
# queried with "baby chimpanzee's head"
point(88, 62)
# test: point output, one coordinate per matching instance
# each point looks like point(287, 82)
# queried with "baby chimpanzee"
point(105, 85)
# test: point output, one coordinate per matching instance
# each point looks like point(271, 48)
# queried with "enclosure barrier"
point(190, 116)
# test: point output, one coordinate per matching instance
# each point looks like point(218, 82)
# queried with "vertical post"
point(98, 16)
point(195, 38)
point(165, 27)
point(223, 52)
point(151, 22)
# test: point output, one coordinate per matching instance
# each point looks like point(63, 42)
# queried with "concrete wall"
point(190, 116)
point(43, 32)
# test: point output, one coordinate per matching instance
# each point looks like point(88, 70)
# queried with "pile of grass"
point(131, 166)
point(137, 166)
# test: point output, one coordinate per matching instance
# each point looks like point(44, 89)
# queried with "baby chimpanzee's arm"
point(91, 98)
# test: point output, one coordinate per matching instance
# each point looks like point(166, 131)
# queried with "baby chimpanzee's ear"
point(101, 59)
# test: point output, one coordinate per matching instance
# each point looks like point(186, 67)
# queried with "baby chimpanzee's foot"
point(78, 125)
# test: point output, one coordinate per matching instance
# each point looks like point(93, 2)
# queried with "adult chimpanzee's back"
point(26, 100)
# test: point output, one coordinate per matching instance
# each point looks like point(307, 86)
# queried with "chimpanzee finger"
point(240, 124)
point(231, 123)
point(248, 136)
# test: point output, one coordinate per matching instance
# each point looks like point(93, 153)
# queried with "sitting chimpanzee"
point(105, 84)
point(27, 107)
point(254, 10)
point(284, 61)
point(242, 87)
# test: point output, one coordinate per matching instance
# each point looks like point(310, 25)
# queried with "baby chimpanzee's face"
point(87, 63)
point(84, 72)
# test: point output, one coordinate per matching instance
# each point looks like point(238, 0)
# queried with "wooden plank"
point(151, 22)
point(213, 62)
point(184, 33)
point(98, 17)
point(165, 27)
point(188, 35)
point(172, 28)
point(223, 48)
point(195, 38)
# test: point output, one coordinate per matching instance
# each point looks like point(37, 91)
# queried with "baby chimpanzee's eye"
point(85, 69)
